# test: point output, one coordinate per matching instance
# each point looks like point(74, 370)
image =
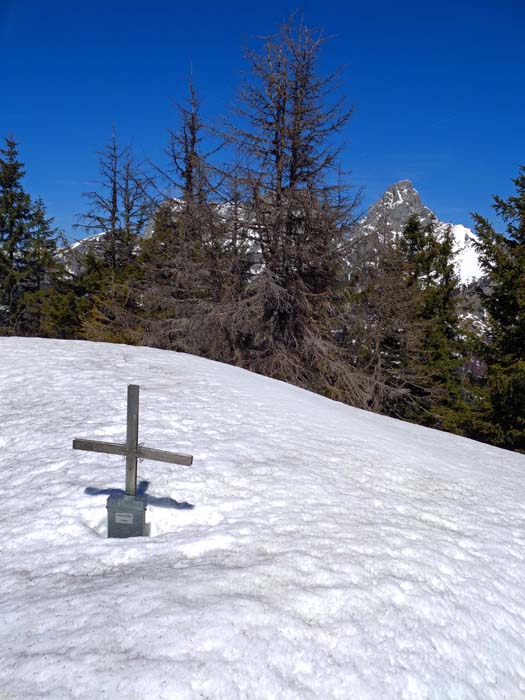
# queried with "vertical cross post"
point(132, 439)
point(126, 514)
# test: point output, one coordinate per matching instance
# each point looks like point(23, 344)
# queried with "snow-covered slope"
point(389, 214)
point(468, 265)
point(329, 552)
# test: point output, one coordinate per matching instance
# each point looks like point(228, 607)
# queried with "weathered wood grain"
point(131, 448)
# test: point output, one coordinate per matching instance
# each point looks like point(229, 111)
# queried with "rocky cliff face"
point(391, 211)
point(387, 217)
point(71, 256)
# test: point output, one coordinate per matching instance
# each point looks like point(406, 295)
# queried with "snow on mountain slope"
point(329, 552)
point(467, 261)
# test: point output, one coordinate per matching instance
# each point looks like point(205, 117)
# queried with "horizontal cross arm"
point(110, 448)
point(163, 456)
point(114, 448)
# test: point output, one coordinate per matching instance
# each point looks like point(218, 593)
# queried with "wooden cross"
point(131, 449)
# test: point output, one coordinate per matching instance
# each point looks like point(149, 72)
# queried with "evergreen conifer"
point(436, 365)
point(36, 296)
point(503, 260)
point(15, 223)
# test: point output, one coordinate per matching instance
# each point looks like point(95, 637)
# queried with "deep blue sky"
point(439, 87)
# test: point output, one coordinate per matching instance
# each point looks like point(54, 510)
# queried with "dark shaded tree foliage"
point(119, 210)
point(382, 330)
point(36, 294)
point(437, 364)
point(15, 223)
point(404, 327)
point(502, 420)
point(185, 262)
point(284, 324)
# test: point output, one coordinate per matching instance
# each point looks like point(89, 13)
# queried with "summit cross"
point(131, 449)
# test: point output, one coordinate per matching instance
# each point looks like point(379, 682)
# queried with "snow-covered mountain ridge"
point(312, 550)
point(389, 214)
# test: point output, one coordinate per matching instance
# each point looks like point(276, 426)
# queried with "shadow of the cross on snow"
point(158, 502)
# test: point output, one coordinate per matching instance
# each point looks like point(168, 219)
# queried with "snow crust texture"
point(311, 551)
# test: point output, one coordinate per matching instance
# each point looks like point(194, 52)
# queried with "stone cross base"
point(126, 516)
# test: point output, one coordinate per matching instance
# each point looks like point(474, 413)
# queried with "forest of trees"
point(255, 262)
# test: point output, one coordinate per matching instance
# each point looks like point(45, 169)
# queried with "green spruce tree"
point(36, 297)
point(503, 260)
point(15, 223)
point(48, 305)
point(436, 364)
point(382, 330)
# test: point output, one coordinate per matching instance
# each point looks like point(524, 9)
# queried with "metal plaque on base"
point(126, 516)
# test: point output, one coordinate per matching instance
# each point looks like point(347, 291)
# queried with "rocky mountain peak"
point(393, 208)
point(387, 217)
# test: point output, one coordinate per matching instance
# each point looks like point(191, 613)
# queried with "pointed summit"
point(387, 217)
point(400, 201)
